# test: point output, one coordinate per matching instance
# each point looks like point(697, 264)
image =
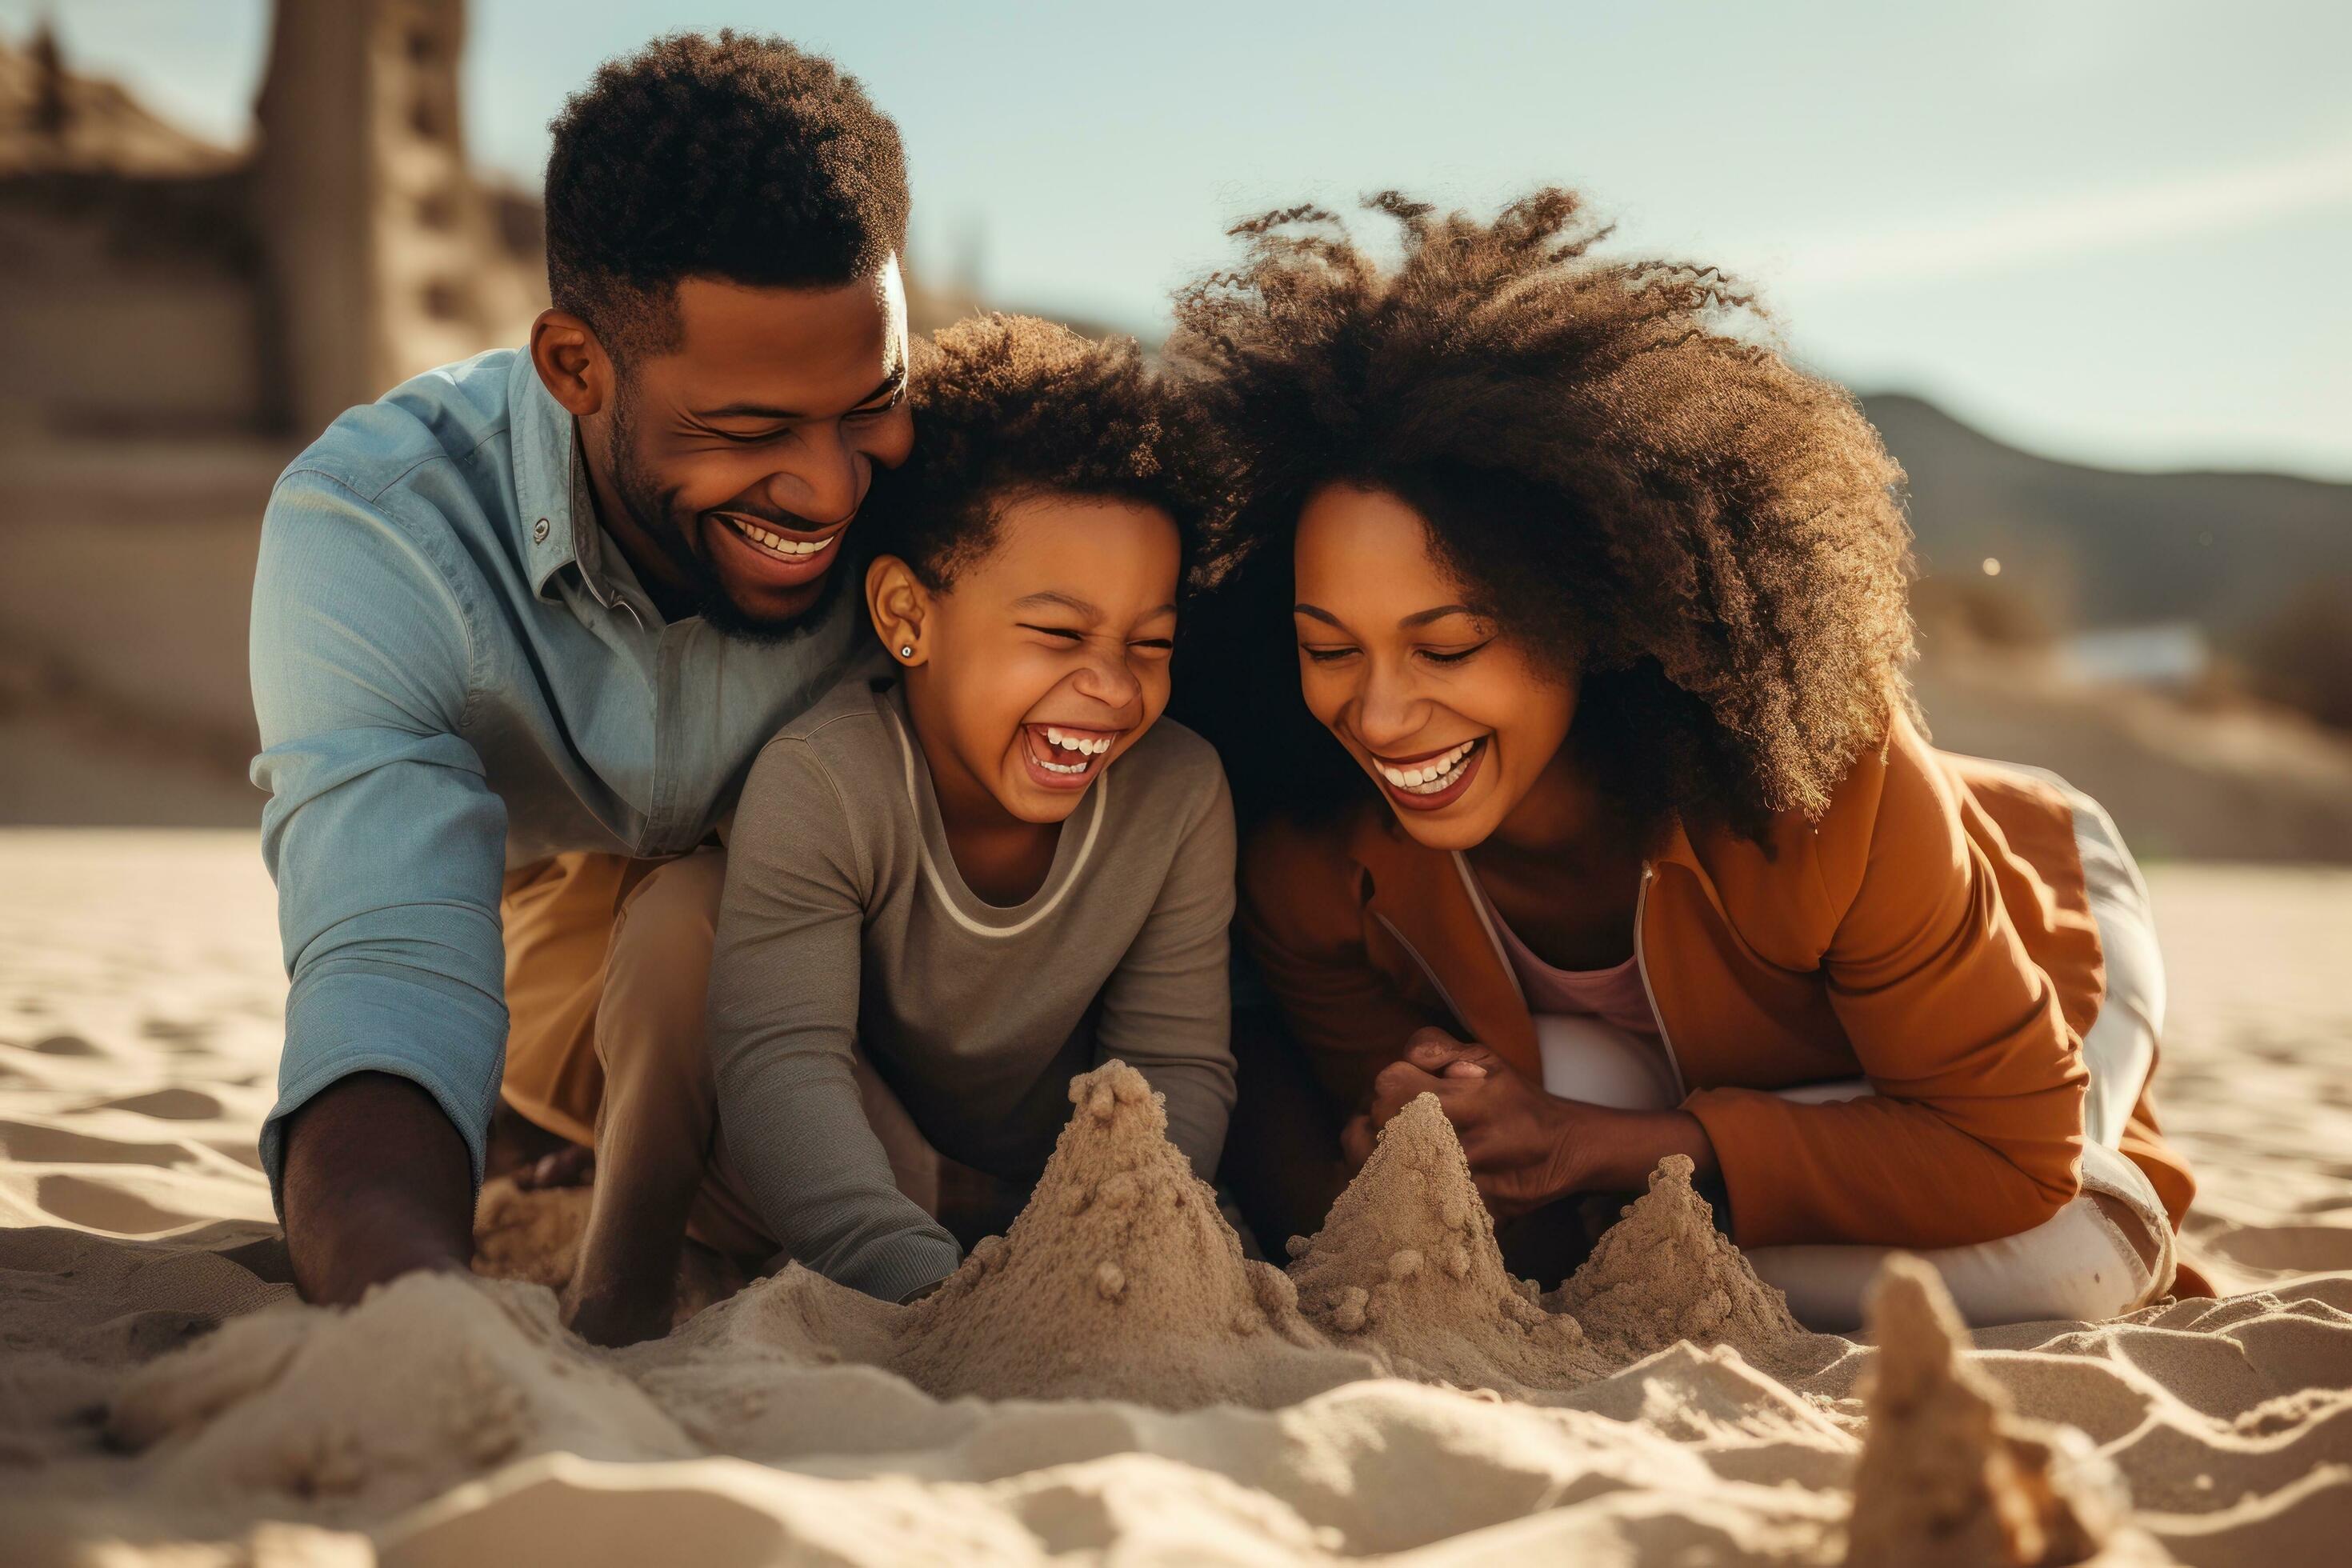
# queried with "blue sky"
point(2112, 230)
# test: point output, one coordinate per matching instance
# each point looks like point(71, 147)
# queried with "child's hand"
point(572, 1167)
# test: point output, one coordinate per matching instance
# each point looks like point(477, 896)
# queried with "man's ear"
point(571, 363)
point(901, 609)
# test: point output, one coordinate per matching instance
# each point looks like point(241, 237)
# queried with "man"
point(519, 627)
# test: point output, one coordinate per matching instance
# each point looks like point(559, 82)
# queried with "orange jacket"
point(1930, 932)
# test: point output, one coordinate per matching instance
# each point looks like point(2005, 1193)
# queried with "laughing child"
point(993, 866)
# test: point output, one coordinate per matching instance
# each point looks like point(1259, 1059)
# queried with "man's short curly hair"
point(1616, 469)
point(1008, 407)
point(738, 157)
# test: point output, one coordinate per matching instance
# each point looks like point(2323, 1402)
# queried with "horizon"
point(2009, 240)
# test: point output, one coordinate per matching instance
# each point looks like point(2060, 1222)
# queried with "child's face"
point(1048, 657)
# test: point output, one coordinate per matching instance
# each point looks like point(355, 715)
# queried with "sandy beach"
point(1114, 1380)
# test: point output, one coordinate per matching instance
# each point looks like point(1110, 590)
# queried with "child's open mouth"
point(1062, 756)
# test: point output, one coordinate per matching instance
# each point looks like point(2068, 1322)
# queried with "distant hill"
point(2095, 547)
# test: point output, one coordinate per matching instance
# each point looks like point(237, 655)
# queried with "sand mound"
point(1407, 1262)
point(429, 1381)
point(1662, 1273)
point(1120, 1279)
point(1948, 1475)
point(534, 1236)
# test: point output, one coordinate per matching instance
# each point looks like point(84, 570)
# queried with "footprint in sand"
point(57, 1146)
point(65, 1045)
point(167, 1105)
point(182, 1036)
point(96, 1207)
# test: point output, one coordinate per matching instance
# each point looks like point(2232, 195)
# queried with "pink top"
point(1614, 996)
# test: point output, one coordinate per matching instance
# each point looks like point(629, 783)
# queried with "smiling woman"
point(1605, 816)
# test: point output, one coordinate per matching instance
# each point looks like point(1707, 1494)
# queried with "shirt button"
point(539, 532)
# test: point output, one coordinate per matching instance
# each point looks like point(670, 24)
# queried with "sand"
point(1116, 1378)
point(1407, 1263)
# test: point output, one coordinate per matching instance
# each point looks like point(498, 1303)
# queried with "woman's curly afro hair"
point(1711, 542)
point(1007, 406)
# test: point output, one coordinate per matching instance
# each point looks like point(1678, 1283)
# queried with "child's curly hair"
point(1012, 405)
point(1711, 542)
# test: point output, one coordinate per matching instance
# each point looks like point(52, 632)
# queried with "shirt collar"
point(558, 514)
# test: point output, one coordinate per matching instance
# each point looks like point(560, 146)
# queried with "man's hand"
point(377, 1183)
point(1526, 1148)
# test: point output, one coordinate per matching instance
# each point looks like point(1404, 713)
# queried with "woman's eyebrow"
point(1418, 618)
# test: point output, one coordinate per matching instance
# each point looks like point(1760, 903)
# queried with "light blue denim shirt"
point(456, 671)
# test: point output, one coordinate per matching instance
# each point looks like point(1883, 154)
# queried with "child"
point(992, 868)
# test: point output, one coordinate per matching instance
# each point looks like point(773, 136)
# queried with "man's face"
point(737, 460)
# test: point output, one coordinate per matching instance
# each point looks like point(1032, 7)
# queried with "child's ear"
point(899, 606)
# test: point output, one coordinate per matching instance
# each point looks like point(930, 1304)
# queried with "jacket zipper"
point(1641, 963)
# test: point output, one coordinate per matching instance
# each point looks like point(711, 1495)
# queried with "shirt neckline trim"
point(1060, 879)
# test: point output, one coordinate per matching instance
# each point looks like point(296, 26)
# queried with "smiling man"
point(521, 625)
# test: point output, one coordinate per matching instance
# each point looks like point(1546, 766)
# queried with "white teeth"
point(1432, 776)
point(1086, 747)
point(778, 543)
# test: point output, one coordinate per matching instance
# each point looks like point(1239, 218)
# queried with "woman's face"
point(1452, 720)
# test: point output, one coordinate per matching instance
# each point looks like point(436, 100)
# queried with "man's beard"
point(669, 529)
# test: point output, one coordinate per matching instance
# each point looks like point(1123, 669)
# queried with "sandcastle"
point(1948, 1474)
point(1407, 1262)
point(1663, 1273)
point(1120, 1280)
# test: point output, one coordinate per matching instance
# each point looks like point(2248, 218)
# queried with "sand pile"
point(1407, 1262)
point(1947, 1474)
point(1663, 1273)
point(429, 1381)
point(534, 1236)
point(1120, 1280)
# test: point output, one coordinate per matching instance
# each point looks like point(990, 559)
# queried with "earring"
point(908, 651)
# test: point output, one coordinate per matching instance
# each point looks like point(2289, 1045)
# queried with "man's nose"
point(822, 487)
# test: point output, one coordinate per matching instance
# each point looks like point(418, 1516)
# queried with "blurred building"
point(150, 281)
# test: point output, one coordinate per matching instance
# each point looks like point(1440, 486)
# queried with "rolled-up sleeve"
point(383, 837)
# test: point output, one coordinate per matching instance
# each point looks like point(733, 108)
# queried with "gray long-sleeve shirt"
point(845, 921)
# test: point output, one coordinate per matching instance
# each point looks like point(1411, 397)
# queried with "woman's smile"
point(1431, 781)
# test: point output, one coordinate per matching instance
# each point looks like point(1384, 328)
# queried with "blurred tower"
point(382, 250)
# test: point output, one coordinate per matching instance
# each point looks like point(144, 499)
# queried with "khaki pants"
point(608, 963)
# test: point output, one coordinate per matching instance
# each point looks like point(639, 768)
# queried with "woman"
point(1607, 817)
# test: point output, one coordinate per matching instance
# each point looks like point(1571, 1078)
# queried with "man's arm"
point(388, 850)
point(375, 1184)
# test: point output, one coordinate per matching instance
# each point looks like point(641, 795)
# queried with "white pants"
point(2079, 1263)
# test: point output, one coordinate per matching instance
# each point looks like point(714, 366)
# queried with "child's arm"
point(783, 1014)
point(1168, 1008)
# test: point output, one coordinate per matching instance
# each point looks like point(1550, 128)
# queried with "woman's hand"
point(1526, 1148)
